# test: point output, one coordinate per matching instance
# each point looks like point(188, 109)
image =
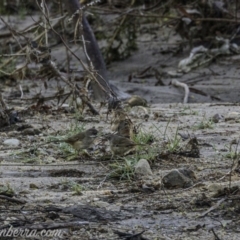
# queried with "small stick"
point(183, 85)
point(215, 235)
point(212, 208)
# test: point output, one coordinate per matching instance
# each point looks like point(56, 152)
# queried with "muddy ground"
point(46, 178)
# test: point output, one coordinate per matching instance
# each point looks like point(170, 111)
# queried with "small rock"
point(142, 168)
point(53, 215)
point(147, 188)
point(23, 126)
point(100, 204)
point(67, 108)
point(217, 118)
point(137, 101)
point(12, 142)
point(174, 74)
point(33, 186)
point(31, 131)
point(12, 134)
point(65, 105)
point(13, 117)
point(179, 178)
point(31, 139)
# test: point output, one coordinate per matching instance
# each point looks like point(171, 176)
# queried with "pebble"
point(143, 168)
point(31, 131)
point(217, 118)
point(179, 178)
point(12, 142)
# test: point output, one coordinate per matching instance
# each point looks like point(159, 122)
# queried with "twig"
point(215, 235)
point(183, 85)
point(105, 178)
point(212, 208)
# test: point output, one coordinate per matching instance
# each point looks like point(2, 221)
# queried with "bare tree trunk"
point(96, 57)
point(93, 51)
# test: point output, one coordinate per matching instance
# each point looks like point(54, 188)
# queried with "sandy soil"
point(46, 177)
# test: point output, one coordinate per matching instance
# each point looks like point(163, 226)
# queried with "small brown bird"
point(120, 145)
point(122, 124)
point(118, 115)
point(126, 128)
point(82, 140)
